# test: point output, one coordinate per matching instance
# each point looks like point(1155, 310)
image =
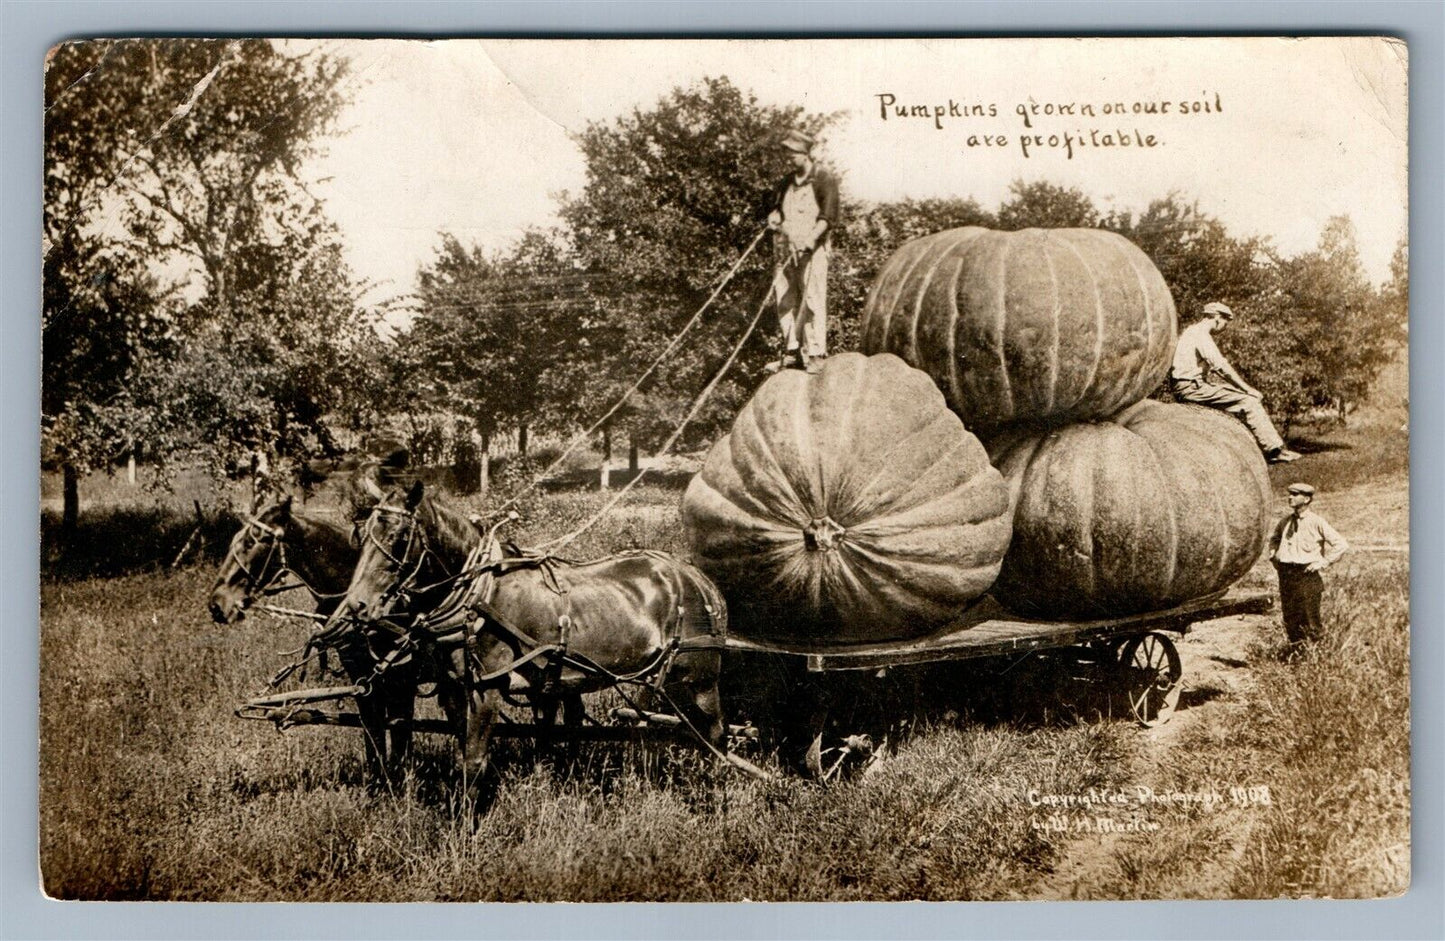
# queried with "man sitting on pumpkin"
point(1197, 361)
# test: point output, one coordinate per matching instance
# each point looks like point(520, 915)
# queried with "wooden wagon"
point(1134, 657)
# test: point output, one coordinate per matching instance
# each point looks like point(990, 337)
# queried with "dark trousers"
point(1299, 602)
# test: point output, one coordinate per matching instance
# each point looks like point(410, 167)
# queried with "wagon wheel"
point(831, 756)
point(1107, 651)
point(1150, 671)
point(813, 758)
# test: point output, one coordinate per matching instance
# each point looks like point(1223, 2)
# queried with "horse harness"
point(549, 658)
point(467, 612)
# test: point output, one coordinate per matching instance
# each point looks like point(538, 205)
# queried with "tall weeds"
point(151, 789)
point(1339, 722)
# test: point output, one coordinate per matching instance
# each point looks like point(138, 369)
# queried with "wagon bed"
point(989, 630)
point(1133, 653)
point(1131, 656)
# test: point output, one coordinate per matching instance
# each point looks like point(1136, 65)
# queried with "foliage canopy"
point(196, 301)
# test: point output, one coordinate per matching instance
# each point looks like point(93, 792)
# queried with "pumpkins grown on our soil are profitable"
point(1037, 326)
point(849, 506)
point(1159, 505)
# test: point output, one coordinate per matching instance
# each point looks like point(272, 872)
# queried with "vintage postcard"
point(725, 470)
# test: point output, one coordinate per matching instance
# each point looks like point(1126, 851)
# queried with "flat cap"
point(798, 141)
point(1305, 489)
point(1214, 307)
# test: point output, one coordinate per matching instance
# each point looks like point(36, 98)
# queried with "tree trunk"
point(70, 517)
point(632, 454)
point(484, 463)
point(602, 476)
point(130, 465)
point(522, 440)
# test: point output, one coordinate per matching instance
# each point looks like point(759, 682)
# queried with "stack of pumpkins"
point(999, 438)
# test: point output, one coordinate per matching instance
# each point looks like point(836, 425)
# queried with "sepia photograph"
point(725, 470)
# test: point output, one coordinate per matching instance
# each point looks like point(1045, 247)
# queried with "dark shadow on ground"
point(123, 541)
point(1198, 697)
point(590, 479)
point(1318, 445)
point(776, 696)
point(783, 700)
point(434, 776)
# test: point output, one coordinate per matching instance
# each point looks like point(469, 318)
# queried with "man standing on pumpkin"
point(804, 214)
point(1303, 545)
point(1197, 361)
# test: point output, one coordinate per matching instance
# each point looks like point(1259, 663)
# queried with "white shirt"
point(1306, 539)
point(1195, 351)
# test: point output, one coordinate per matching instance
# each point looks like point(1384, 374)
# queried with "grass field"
point(150, 789)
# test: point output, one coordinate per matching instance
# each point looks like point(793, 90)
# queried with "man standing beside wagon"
point(1301, 547)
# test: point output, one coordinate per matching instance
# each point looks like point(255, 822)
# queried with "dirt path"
point(1374, 517)
point(1216, 672)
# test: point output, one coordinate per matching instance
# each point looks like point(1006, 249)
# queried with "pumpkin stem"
point(822, 535)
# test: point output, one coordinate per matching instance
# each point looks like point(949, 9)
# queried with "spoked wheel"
point(831, 754)
point(1150, 670)
point(827, 764)
point(813, 758)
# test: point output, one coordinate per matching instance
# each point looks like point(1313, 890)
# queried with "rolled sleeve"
point(775, 200)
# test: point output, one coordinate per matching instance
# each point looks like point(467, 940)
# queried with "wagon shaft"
point(285, 711)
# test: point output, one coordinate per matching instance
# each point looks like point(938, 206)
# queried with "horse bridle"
point(405, 583)
point(484, 559)
point(277, 546)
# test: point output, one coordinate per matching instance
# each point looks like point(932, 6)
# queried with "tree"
point(1200, 261)
point(172, 180)
point(1395, 295)
point(100, 319)
point(1046, 206)
point(101, 309)
point(495, 337)
point(1349, 330)
point(213, 135)
point(674, 195)
point(297, 352)
point(1311, 332)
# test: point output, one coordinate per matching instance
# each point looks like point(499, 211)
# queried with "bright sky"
point(475, 137)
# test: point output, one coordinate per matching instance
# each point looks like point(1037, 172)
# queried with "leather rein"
point(275, 539)
point(468, 609)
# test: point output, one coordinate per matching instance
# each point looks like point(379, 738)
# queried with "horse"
point(502, 624)
point(279, 548)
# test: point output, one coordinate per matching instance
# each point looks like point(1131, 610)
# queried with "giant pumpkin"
point(847, 506)
point(1039, 326)
point(1162, 504)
